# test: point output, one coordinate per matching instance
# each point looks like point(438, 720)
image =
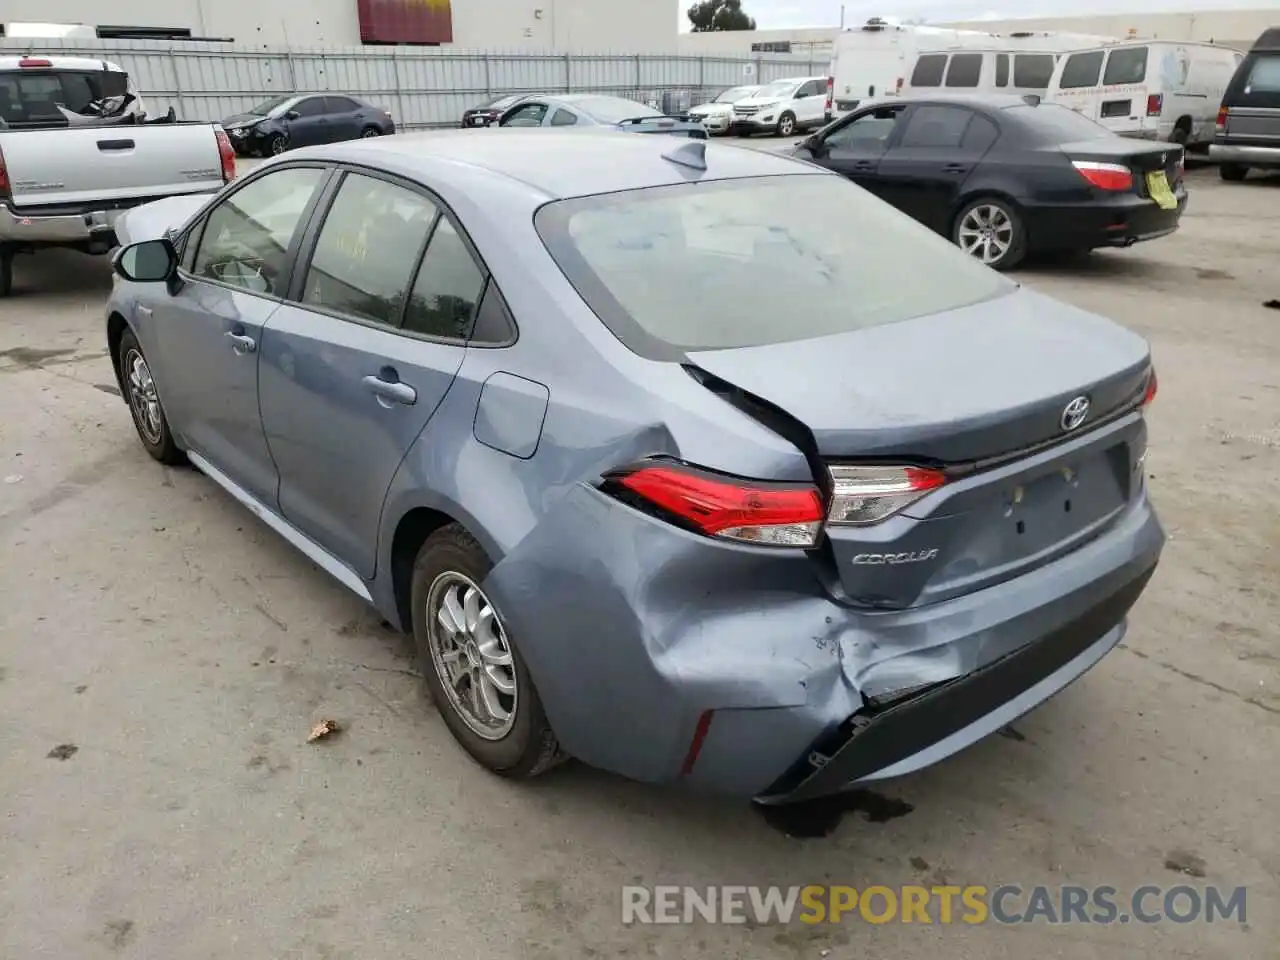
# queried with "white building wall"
point(630, 26)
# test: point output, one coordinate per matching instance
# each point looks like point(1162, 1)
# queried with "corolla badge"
point(894, 559)
point(1074, 414)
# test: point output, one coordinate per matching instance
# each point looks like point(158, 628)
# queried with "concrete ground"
point(163, 657)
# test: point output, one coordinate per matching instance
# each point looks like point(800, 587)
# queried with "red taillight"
point(1155, 104)
point(1150, 393)
point(864, 495)
point(831, 92)
point(761, 512)
point(34, 63)
point(4, 178)
point(899, 85)
point(1221, 123)
point(1105, 176)
point(227, 154)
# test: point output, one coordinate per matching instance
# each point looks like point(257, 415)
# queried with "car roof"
point(559, 164)
point(988, 101)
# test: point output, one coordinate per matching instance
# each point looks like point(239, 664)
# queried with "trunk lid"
point(983, 392)
point(72, 167)
point(1142, 158)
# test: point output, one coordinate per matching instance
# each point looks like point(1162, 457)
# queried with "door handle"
point(241, 344)
point(955, 168)
point(391, 391)
point(862, 165)
point(144, 311)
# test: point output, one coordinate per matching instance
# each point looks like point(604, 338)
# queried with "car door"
point(344, 119)
point(531, 113)
point(856, 145)
point(354, 366)
point(923, 172)
point(235, 271)
point(310, 125)
point(810, 103)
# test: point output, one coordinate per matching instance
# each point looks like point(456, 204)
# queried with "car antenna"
point(691, 153)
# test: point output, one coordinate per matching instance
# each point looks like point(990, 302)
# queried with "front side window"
point(1081, 70)
point(929, 69)
point(671, 270)
point(447, 289)
point(870, 130)
point(311, 107)
point(527, 115)
point(366, 251)
point(1128, 65)
point(246, 238)
point(965, 70)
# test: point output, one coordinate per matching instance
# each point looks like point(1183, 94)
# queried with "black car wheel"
point(1232, 172)
point(277, 144)
point(472, 669)
point(786, 125)
point(144, 402)
point(991, 229)
point(368, 132)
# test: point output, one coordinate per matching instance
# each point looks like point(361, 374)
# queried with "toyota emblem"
point(1074, 414)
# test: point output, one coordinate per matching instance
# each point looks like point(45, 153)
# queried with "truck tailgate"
point(79, 165)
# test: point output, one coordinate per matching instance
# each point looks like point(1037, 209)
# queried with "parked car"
point(1007, 176)
point(526, 394)
point(782, 107)
point(1247, 132)
point(584, 110)
point(717, 114)
point(282, 123)
point(1152, 89)
point(489, 113)
point(69, 164)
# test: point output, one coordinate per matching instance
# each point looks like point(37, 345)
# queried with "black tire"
point(1015, 251)
point(1181, 134)
point(528, 746)
point(6, 272)
point(277, 145)
point(1232, 172)
point(787, 124)
point(370, 132)
point(156, 437)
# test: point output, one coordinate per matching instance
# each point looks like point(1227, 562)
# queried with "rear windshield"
point(33, 96)
point(1126, 66)
point(609, 110)
point(1081, 70)
point(742, 263)
point(1052, 123)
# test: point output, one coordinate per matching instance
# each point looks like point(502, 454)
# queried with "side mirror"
point(292, 115)
point(151, 261)
point(814, 145)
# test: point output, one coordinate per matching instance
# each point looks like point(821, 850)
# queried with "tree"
point(713, 15)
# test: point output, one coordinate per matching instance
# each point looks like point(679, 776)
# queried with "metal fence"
point(423, 87)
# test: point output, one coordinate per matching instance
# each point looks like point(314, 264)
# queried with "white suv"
point(783, 107)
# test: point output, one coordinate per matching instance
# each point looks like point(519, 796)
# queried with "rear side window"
point(965, 70)
point(1081, 70)
point(929, 70)
point(1033, 71)
point(982, 133)
point(447, 290)
point(1002, 70)
point(1126, 66)
point(671, 270)
point(1264, 75)
point(563, 118)
point(936, 127)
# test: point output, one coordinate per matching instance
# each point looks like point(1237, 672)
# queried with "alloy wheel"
point(986, 232)
point(471, 655)
point(143, 398)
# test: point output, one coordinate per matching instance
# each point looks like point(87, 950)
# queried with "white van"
point(1150, 89)
point(994, 70)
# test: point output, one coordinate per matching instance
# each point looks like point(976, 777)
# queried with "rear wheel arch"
point(116, 327)
point(411, 533)
point(1182, 130)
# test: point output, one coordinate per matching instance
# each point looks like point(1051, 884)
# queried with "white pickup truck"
point(76, 149)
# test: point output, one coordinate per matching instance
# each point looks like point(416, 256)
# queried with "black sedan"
point(303, 120)
point(486, 114)
point(1004, 177)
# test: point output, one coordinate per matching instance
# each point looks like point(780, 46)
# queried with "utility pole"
point(842, 17)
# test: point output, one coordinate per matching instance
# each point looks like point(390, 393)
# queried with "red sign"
point(405, 21)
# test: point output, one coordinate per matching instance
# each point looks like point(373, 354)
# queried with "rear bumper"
point(634, 632)
point(65, 228)
point(1260, 157)
point(1114, 223)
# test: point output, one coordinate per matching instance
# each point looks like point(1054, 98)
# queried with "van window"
point(965, 70)
point(1033, 71)
point(1081, 70)
point(929, 69)
point(1126, 66)
point(1002, 70)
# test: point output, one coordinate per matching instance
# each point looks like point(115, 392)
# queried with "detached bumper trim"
point(870, 744)
point(1248, 156)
